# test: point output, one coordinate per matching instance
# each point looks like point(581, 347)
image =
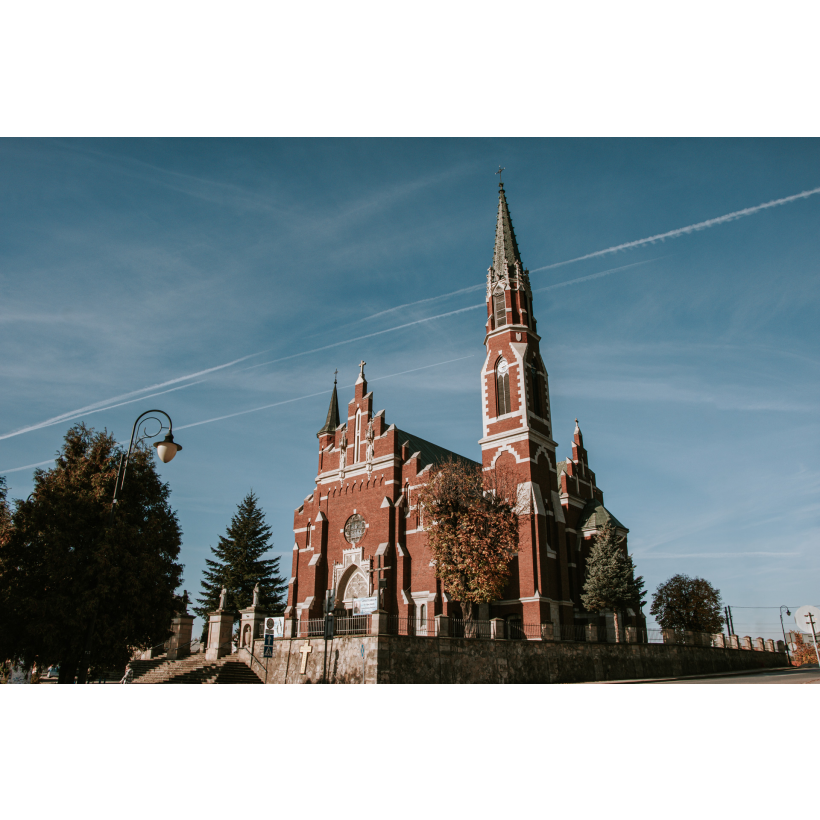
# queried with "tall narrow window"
point(500, 309)
point(524, 318)
point(356, 448)
point(536, 392)
point(502, 388)
point(307, 536)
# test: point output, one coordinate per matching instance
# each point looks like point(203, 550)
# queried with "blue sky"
point(692, 363)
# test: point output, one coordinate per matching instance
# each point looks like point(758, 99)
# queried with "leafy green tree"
point(687, 603)
point(610, 577)
point(74, 579)
point(471, 518)
point(239, 565)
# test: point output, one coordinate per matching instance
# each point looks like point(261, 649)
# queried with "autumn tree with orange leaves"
point(471, 519)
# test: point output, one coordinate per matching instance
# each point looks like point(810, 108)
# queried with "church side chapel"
point(362, 523)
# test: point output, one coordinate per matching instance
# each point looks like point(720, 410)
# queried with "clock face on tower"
point(354, 529)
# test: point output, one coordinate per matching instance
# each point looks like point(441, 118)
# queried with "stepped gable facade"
point(363, 512)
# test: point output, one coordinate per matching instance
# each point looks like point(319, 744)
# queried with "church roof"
point(595, 515)
point(430, 453)
point(332, 414)
point(505, 245)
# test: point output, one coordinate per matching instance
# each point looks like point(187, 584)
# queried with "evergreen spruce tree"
point(239, 565)
point(610, 580)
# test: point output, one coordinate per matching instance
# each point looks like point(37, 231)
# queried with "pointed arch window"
point(500, 309)
point(524, 309)
point(307, 536)
point(356, 448)
point(502, 388)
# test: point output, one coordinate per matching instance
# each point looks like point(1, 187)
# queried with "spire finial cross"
point(362, 363)
point(500, 178)
point(335, 375)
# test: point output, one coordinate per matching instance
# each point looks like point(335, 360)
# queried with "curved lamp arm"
point(166, 449)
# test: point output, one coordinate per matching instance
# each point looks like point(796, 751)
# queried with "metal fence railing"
point(420, 627)
point(569, 632)
point(351, 625)
point(315, 627)
point(460, 628)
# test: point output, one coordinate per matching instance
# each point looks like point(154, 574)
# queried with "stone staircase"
point(194, 669)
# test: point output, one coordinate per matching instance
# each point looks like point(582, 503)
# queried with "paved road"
point(805, 674)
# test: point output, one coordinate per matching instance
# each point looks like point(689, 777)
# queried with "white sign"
point(801, 618)
point(364, 606)
point(275, 627)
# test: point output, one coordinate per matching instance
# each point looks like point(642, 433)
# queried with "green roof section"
point(430, 453)
point(595, 515)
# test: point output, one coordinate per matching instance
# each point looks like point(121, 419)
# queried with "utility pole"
point(814, 637)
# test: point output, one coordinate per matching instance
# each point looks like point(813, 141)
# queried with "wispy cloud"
point(698, 226)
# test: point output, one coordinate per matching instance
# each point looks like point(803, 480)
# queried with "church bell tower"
point(517, 431)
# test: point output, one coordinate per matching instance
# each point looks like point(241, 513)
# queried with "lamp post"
point(166, 450)
point(783, 629)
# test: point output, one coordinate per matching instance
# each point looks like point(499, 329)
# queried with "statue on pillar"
point(256, 594)
point(223, 599)
point(185, 601)
point(369, 438)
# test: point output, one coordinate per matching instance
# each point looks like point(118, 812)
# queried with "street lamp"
point(788, 656)
point(166, 449)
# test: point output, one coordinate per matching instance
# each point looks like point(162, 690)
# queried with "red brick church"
point(363, 511)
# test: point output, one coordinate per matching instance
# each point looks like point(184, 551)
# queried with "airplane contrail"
point(360, 338)
point(421, 302)
point(69, 417)
point(320, 393)
point(596, 275)
point(103, 405)
point(698, 226)
point(27, 467)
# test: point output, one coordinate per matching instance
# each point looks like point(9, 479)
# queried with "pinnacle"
point(506, 247)
point(332, 421)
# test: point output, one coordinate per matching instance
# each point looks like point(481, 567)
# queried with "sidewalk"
point(745, 672)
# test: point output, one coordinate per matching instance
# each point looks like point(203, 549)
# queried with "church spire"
point(506, 248)
point(332, 414)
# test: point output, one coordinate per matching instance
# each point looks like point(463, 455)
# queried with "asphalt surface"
point(803, 674)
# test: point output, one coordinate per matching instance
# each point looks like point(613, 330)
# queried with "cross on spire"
point(335, 374)
point(500, 178)
point(362, 363)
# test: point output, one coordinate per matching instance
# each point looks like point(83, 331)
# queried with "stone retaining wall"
point(406, 659)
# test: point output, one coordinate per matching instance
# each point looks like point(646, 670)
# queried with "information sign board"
point(364, 606)
point(275, 627)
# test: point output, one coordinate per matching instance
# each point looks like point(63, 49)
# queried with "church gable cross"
point(362, 363)
point(305, 650)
